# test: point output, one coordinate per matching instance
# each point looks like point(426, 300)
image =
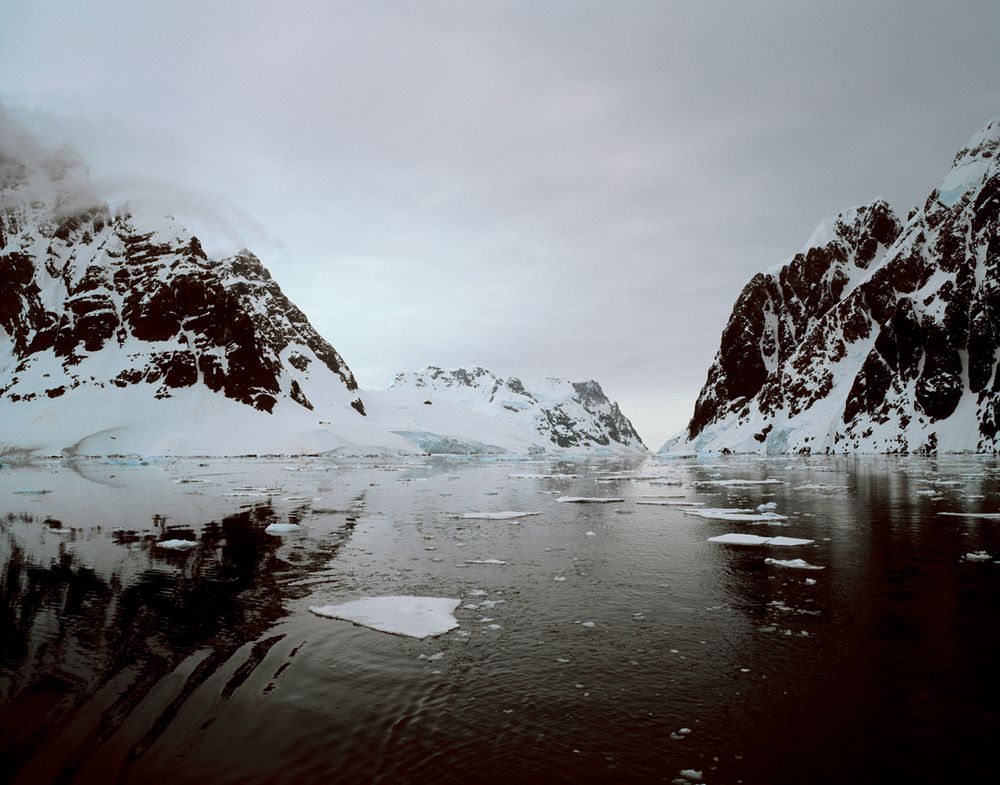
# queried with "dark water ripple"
point(124, 663)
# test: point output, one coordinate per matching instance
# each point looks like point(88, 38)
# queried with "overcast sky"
point(574, 189)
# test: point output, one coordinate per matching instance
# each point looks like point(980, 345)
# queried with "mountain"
point(119, 334)
point(878, 336)
point(473, 410)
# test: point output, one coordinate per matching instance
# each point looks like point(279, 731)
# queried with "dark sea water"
point(121, 662)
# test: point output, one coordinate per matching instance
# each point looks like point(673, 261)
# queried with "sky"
point(572, 189)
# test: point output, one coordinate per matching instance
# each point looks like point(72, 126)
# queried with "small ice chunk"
point(978, 556)
point(559, 578)
point(484, 561)
point(693, 775)
point(177, 545)
point(477, 593)
point(415, 617)
point(32, 491)
point(788, 541)
point(590, 534)
point(754, 539)
point(733, 514)
point(767, 506)
point(283, 528)
point(793, 564)
point(587, 624)
point(740, 482)
point(671, 503)
point(543, 476)
point(589, 499)
point(810, 581)
point(505, 515)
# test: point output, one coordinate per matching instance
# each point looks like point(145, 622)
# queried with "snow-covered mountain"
point(118, 334)
point(473, 410)
point(876, 337)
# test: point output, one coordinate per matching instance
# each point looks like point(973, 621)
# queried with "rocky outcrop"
point(876, 337)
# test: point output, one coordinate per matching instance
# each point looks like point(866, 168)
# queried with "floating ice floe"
point(692, 775)
point(665, 481)
point(679, 495)
point(283, 528)
point(753, 539)
point(670, 503)
point(414, 617)
point(589, 499)
point(32, 491)
point(543, 476)
point(993, 516)
point(978, 556)
point(740, 483)
point(505, 515)
point(793, 564)
point(730, 514)
point(177, 545)
point(767, 506)
point(484, 561)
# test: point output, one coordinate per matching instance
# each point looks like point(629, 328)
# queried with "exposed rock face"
point(556, 412)
point(94, 299)
point(876, 337)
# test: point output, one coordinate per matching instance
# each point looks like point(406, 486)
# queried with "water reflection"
point(82, 649)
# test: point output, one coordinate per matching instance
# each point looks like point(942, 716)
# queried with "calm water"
point(124, 663)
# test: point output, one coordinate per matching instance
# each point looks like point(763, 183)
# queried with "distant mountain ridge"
point(878, 336)
point(541, 415)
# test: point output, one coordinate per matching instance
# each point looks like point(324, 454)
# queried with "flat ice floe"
point(978, 556)
point(670, 503)
point(543, 476)
point(505, 515)
point(793, 564)
point(740, 483)
point(484, 561)
point(414, 617)
point(177, 545)
point(754, 539)
point(589, 499)
point(283, 528)
point(730, 514)
point(993, 516)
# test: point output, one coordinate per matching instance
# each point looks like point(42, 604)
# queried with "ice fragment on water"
point(588, 499)
point(793, 564)
point(283, 528)
point(177, 545)
point(754, 539)
point(415, 617)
